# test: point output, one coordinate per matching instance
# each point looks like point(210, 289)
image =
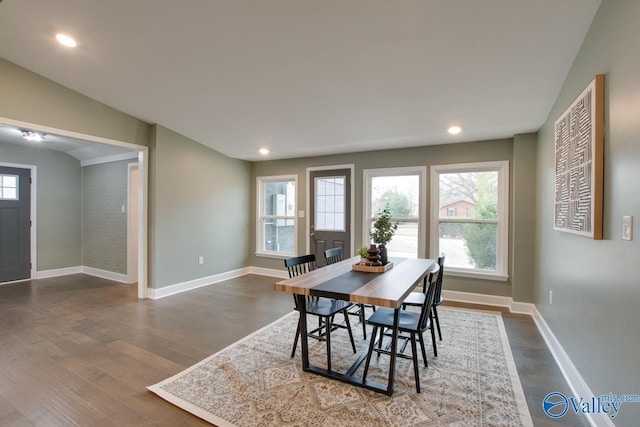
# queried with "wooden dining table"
point(340, 281)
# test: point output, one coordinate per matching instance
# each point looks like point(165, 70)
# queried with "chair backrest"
point(333, 255)
point(425, 312)
point(434, 270)
point(438, 292)
point(300, 264)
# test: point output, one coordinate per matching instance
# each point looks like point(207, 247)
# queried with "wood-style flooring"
point(79, 350)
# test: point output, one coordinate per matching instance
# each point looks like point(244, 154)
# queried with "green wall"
point(421, 156)
point(58, 206)
point(31, 98)
point(199, 206)
point(595, 288)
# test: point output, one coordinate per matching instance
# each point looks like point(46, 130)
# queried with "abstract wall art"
point(579, 146)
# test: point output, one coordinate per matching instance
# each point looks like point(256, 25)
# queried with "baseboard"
point(116, 277)
point(280, 274)
point(496, 301)
point(57, 272)
point(197, 283)
point(578, 386)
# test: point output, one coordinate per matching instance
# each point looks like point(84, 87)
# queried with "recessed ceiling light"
point(65, 40)
point(32, 136)
point(264, 151)
point(454, 130)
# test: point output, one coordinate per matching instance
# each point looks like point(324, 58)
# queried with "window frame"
point(16, 188)
point(502, 221)
point(369, 174)
point(261, 181)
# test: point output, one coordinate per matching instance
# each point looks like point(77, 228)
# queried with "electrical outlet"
point(550, 297)
point(201, 260)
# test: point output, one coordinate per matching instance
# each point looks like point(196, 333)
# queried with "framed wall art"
point(579, 147)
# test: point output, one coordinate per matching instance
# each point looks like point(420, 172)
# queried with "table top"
point(339, 281)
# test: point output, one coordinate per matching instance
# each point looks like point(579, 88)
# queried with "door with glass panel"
point(15, 226)
point(330, 206)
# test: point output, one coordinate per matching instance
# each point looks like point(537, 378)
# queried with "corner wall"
point(595, 288)
point(199, 206)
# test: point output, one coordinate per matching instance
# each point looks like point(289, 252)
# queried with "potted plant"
point(362, 251)
point(382, 232)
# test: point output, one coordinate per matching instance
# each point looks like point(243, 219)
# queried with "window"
point(475, 240)
point(276, 227)
point(401, 190)
point(329, 204)
point(8, 187)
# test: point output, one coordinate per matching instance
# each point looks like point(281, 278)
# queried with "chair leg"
point(414, 352)
point(364, 324)
point(348, 323)
point(433, 338)
point(328, 326)
point(295, 341)
point(435, 315)
point(424, 352)
point(371, 344)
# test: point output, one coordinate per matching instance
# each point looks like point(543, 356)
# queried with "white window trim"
point(315, 192)
point(260, 180)
point(368, 174)
point(502, 239)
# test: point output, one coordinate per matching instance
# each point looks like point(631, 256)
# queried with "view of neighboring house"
point(457, 208)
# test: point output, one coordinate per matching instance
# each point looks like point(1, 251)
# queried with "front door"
point(330, 216)
point(15, 224)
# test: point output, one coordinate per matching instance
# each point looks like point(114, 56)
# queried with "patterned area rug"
point(253, 382)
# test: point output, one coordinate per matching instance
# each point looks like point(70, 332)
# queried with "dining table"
point(340, 281)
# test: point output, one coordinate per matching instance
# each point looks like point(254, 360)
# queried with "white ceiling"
point(309, 77)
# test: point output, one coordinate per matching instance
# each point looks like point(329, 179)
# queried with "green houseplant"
point(383, 231)
point(362, 251)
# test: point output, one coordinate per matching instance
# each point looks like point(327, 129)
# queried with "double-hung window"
point(276, 222)
point(470, 218)
point(401, 190)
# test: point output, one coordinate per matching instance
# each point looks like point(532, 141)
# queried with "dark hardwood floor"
point(79, 350)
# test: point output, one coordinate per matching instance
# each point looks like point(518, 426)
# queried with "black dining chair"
point(332, 256)
point(325, 309)
point(409, 322)
point(417, 298)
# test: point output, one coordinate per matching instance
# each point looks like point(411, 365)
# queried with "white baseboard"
point(578, 386)
point(497, 301)
point(117, 277)
point(280, 274)
point(197, 283)
point(57, 272)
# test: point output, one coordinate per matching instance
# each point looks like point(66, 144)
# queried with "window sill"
point(273, 255)
point(476, 275)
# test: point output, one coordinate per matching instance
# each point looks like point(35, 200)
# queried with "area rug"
point(254, 382)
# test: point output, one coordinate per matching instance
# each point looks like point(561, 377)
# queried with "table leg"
point(394, 349)
point(304, 339)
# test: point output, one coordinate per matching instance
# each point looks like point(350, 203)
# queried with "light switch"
point(627, 227)
point(300, 214)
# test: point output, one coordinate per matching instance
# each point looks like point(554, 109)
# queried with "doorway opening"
point(141, 191)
